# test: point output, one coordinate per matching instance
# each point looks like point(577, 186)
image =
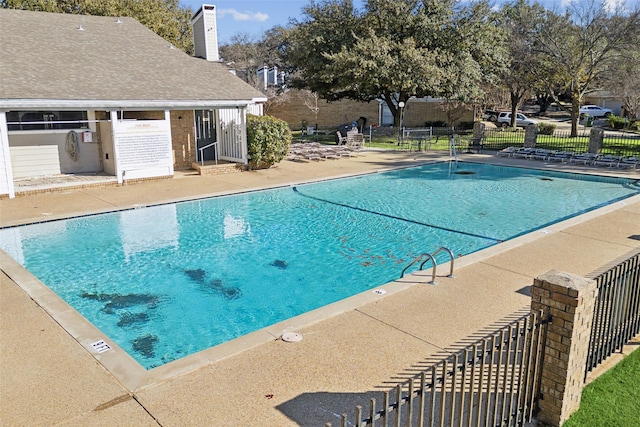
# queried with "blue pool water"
point(168, 281)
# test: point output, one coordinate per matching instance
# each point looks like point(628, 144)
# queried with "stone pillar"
point(530, 136)
point(569, 300)
point(478, 130)
point(596, 139)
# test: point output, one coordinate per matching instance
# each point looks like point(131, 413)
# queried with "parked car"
point(504, 119)
point(491, 115)
point(595, 111)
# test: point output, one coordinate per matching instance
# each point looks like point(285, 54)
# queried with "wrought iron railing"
point(616, 317)
point(494, 381)
point(614, 143)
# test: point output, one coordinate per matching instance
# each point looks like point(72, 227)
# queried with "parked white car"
point(504, 119)
point(595, 111)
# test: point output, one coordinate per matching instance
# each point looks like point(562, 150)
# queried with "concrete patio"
point(363, 345)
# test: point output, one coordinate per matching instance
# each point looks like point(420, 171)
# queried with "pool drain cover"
point(291, 336)
point(100, 346)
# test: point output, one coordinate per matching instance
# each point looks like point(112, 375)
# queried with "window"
point(42, 120)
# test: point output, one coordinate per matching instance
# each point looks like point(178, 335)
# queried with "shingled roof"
point(63, 60)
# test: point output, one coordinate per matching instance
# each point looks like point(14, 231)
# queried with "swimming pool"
point(167, 281)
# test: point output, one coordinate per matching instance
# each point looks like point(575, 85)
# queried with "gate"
point(206, 142)
point(494, 382)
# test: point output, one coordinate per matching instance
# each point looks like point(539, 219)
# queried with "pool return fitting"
point(431, 257)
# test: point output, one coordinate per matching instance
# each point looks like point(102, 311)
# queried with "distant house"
point(88, 94)
point(604, 99)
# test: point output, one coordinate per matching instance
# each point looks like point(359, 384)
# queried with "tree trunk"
point(515, 101)
point(544, 101)
point(575, 114)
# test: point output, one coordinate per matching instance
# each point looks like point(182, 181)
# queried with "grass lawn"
point(612, 400)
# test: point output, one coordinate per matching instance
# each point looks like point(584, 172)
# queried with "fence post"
point(569, 300)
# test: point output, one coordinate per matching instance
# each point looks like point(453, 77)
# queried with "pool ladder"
point(431, 257)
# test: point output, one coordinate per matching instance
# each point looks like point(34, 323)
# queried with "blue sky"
point(254, 17)
point(251, 17)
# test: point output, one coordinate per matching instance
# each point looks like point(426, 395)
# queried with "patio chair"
point(355, 142)
point(340, 140)
point(476, 143)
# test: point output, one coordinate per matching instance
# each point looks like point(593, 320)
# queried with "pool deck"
point(349, 350)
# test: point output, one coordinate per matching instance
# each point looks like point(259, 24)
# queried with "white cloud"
point(243, 16)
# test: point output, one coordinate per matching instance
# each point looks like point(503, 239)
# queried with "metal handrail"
point(204, 148)
point(431, 257)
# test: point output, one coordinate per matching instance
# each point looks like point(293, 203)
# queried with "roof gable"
point(52, 56)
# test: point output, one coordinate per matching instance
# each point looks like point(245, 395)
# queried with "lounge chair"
point(507, 152)
point(523, 153)
point(299, 151)
point(560, 156)
point(607, 160)
point(629, 162)
point(541, 154)
point(584, 158)
point(326, 152)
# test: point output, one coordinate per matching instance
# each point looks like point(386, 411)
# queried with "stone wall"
point(420, 113)
point(332, 114)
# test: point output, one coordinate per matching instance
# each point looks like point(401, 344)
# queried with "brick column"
point(569, 300)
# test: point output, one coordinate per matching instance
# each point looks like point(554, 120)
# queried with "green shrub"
point(466, 125)
point(546, 128)
point(436, 124)
point(268, 140)
point(617, 122)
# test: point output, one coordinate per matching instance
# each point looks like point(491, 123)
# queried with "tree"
point(623, 78)
point(580, 46)
point(522, 22)
point(310, 100)
point(247, 55)
point(393, 50)
point(164, 17)
point(243, 55)
point(326, 27)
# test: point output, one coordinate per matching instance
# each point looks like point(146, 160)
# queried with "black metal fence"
point(616, 317)
point(438, 138)
point(614, 143)
point(492, 382)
